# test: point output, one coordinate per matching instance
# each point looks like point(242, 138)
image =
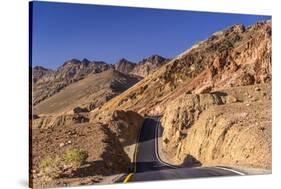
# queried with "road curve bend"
point(148, 166)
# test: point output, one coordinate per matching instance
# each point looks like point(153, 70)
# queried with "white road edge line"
point(157, 155)
point(231, 170)
point(156, 146)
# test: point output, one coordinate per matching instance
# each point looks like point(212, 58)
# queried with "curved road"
point(148, 166)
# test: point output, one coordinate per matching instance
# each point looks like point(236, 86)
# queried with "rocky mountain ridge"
point(70, 72)
point(74, 70)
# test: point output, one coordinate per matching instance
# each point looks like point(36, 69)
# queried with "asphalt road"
point(148, 166)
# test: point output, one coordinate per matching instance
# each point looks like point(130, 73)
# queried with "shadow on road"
point(190, 161)
point(150, 166)
point(148, 136)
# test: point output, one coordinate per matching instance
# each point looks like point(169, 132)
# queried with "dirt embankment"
point(106, 155)
point(105, 143)
point(231, 127)
point(126, 126)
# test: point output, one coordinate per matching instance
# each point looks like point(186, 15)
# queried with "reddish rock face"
point(236, 56)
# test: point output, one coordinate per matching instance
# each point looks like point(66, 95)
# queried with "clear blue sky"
point(64, 31)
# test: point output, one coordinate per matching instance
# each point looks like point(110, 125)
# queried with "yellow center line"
point(128, 177)
point(135, 157)
point(135, 165)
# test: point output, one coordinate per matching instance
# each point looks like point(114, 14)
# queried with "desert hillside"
point(236, 56)
point(87, 94)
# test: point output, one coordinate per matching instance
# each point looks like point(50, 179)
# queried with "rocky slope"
point(230, 127)
point(125, 125)
point(236, 56)
point(107, 157)
point(104, 143)
point(71, 71)
point(86, 94)
point(73, 103)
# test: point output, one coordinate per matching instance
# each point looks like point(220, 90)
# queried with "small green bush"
point(51, 166)
point(75, 156)
point(54, 166)
point(49, 162)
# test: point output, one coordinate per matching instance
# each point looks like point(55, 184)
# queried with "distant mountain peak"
point(38, 72)
point(124, 66)
point(86, 61)
point(154, 58)
point(40, 68)
point(71, 62)
point(148, 65)
point(124, 61)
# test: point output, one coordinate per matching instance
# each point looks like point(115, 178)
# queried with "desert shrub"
point(51, 166)
point(70, 160)
point(49, 162)
point(75, 156)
